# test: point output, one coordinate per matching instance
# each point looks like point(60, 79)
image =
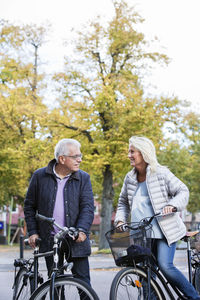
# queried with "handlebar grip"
point(73, 232)
point(46, 219)
point(160, 214)
point(174, 209)
point(37, 242)
point(124, 227)
point(26, 243)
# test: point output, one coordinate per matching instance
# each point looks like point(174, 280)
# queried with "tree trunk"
point(106, 207)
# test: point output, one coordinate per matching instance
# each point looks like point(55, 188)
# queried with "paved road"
point(103, 270)
point(102, 267)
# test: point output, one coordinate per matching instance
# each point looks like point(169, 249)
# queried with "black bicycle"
point(140, 277)
point(27, 277)
point(62, 286)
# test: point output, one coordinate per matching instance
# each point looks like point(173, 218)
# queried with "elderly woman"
point(150, 188)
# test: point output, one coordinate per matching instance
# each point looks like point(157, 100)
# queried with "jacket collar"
point(133, 172)
point(49, 170)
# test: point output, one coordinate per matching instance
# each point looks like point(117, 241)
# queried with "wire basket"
point(130, 243)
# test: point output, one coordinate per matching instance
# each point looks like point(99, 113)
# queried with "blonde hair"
point(147, 149)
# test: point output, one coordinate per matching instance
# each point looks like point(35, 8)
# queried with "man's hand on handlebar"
point(81, 237)
point(32, 240)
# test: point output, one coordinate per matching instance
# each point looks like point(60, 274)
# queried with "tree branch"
point(84, 132)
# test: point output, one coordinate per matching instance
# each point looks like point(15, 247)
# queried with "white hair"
point(62, 148)
point(147, 149)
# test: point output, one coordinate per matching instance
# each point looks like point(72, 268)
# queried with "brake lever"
point(73, 233)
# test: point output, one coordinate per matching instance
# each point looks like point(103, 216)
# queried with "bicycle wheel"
point(22, 285)
point(131, 283)
point(196, 279)
point(65, 288)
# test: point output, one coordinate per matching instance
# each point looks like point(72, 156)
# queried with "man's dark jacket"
point(78, 200)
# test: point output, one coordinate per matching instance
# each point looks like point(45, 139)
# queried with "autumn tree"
point(182, 156)
point(21, 106)
point(103, 100)
point(191, 130)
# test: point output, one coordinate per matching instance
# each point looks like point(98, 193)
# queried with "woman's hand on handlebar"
point(120, 225)
point(168, 209)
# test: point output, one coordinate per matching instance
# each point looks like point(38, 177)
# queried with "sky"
point(176, 23)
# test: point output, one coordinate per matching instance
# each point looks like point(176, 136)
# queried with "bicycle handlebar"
point(71, 231)
point(147, 221)
point(160, 214)
point(37, 242)
point(46, 219)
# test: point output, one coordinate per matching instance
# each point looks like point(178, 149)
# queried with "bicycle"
point(141, 278)
point(27, 278)
point(60, 285)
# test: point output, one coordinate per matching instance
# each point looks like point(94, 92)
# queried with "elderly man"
point(63, 191)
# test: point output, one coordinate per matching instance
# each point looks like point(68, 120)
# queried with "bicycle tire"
point(22, 286)
point(74, 289)
point(129, 284)
point(196, 279)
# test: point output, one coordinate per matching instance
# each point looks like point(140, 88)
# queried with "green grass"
point(102, 251)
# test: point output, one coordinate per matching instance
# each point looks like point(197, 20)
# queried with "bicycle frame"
point(189, 251)
point(150, 268)
point(57, 271)
point(35, 264)
point(35, 267)
point(31, 277)
point(56, 268)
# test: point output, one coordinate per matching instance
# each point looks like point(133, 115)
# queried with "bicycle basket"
point(130, 245)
